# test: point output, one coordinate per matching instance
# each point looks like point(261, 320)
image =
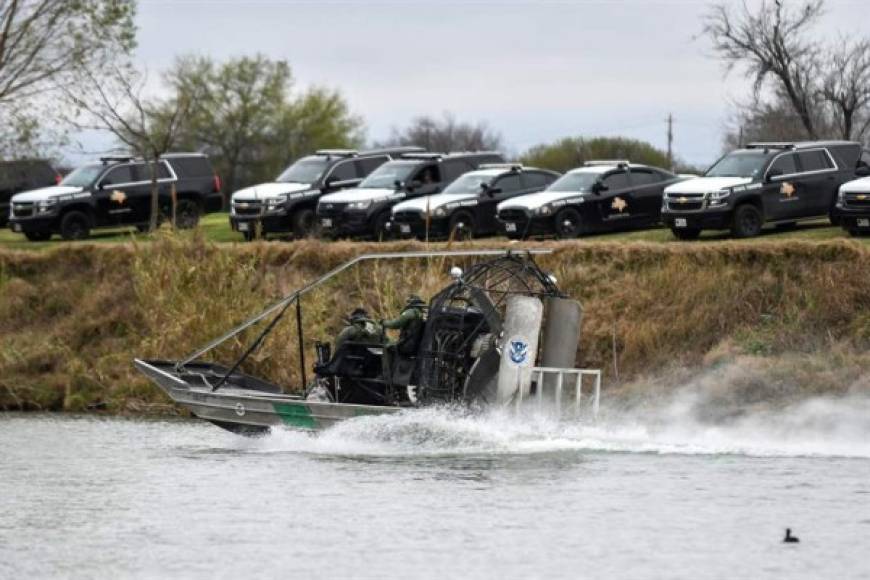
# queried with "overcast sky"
point(535, 71)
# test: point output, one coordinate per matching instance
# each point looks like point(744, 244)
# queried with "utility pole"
point(670, 141)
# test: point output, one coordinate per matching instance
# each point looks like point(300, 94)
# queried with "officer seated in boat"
point(409, 323)
point(359, 328)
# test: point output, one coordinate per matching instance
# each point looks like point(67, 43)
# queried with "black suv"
point(601, 196)
point(776, 183)
point(466, 207)
point(23, 175)
point(116, 192)
point(365, 211)
point(288, 204)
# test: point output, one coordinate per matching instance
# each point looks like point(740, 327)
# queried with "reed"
point(72, 319)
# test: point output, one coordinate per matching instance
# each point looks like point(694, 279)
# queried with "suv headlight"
point(718, 197)
point(46, 205)
point(356, 205)
point(274, 203)
point(439, 212)
point(545, 209)
point(841, 198)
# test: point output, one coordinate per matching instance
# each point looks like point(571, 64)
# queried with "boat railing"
point(561, 382)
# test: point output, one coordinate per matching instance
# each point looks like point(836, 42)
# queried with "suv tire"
point(38, 236)
point(568, 223)
point(686, 234)
point(747, 221)
point(75, 225)
point(304, 223)
point(187, 213)
point(461, 226)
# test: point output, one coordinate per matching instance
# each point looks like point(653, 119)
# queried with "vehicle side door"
point(111, 196)
point(342, 175)
point(817, 182)
point(647, 186)
point(505, 187)
point(139, 192)
point(782, 189)
point(616, 203)
point(425, 181)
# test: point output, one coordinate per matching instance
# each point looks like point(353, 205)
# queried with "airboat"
point(501, 334)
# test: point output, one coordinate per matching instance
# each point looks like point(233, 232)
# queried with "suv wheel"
point(747, 221)
point(186, 214)
point(462, 226)
point(75, 225)
point(304, 223)
point(568, 223)
point(380, 226)
point(686, 233)
point(249, 236)
point(38, 236)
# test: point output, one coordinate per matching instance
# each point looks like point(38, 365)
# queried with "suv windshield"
point(388, 174)
point(579, 181)
point(468, 183)
point(83, 176)
point(739, 164)
point(305, 170)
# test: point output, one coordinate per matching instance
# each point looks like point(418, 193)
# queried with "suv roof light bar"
point(770, 145)
point(393, 150)
point(602, 162)
point(422, 155)
point(337, 152)
point(116, 158)
point(511, 166)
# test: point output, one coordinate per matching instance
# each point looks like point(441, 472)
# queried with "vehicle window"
point(740, 164)
point(343, 171)
point(121, 174)
point(368, 164)
point(509, 183)
point(428, 175)
point(83, 176)
point(141, 173)
point(305, 170)
point(864, 160)
point(580, 181)
point(644, 178)
point(192, 166)
point(616, 181)
point(468, 183)
point(814, 160)
point(785, 163)
point(453, 168)
point(388, 174)
point(536, 180)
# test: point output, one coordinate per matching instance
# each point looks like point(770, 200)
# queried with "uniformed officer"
point(408, 322)
point(360, 328)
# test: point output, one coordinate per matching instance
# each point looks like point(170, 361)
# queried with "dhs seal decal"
point(518, 351)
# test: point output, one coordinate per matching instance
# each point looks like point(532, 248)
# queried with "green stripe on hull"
point(295, 415)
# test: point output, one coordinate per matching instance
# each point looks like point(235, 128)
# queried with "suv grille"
point(408, 217)
point(858, 200)
point(331, 209)
point(248, 207)
point(22, 209)
point(686, 202)
point(512, 215)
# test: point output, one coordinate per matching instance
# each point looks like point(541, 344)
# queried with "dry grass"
point(71, 319)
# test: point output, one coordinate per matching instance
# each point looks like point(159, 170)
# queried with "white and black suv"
point(23, 175)
point(366, 210)
point(601, 196)
point(116, 192)
point(467, 207)
point(288, 204)
point(764, 183)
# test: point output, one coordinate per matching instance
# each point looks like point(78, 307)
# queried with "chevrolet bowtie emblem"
point(683, 200)
point(861, 197)
point(618, 204)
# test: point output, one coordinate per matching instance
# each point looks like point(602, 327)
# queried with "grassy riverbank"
point(793, 316)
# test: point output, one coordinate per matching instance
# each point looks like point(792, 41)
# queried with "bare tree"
point(446, 134)
point(773, 42)
point(115, 103)
point(846, 87)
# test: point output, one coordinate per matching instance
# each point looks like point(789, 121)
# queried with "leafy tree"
point(46, 44)
point(446, 134)
point(571, 152)
point(247, 119)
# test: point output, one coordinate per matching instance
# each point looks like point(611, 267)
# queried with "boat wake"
point(819, 427)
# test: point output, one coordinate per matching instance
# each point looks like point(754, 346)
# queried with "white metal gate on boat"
point(562, 380)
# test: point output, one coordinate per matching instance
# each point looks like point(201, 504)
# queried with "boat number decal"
point(518, 351)
point(240, 410)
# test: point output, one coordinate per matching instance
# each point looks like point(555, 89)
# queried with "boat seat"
point(354, 360)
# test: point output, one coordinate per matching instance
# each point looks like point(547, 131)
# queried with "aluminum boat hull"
point(245, 404)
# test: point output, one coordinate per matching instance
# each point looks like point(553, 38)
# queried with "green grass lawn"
point(216, 228)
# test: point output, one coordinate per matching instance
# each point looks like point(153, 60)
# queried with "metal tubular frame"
point(540, 372)
point(284, 302)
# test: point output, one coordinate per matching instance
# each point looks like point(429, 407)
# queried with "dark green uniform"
point(359, 331)
point(404, 322)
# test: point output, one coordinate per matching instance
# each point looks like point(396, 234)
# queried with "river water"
point(435, 494)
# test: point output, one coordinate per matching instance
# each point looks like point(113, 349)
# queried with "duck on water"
point(500, 333)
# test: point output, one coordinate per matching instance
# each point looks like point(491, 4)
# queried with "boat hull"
point(244, 404)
